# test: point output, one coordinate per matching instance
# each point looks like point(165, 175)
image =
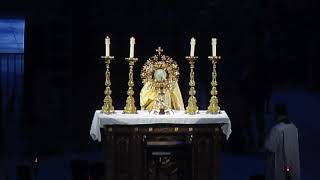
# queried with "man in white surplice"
point(282, 144)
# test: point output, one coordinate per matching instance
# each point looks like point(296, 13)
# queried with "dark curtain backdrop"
point(264, 45)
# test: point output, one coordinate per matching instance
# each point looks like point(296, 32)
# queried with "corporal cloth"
point(282, 141)
point(144, 117)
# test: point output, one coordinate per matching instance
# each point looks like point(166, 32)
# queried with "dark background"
point(265, 45)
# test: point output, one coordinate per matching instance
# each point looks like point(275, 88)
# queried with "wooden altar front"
point(162, 151)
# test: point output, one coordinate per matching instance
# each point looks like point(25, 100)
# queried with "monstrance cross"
point(159, 50)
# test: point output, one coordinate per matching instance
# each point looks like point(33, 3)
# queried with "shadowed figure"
point(255, 90)
point(282, 147)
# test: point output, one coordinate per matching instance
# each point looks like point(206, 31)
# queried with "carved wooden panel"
point(162, 151)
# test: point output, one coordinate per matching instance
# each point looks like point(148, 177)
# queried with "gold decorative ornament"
point(159, 65)
point(214, 108)
point(192, 107)
point(130, 107)
point(161, 73)
point(107, 107)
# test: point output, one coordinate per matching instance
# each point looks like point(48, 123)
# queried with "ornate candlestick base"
point(130, 107)
point(214, 108)
point(192, 107)
point(107, 107)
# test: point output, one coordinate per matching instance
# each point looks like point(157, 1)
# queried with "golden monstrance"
point(160, 93)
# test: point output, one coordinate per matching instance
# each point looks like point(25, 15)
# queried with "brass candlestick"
point(130, 107)
point(192, 107)
point(214, 108)
point(107, 107)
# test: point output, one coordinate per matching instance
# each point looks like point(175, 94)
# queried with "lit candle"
point(214, 46)
point(107, 42)
point(193, 44)
point(132, 42)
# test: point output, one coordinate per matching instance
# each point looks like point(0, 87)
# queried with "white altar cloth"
point(144, 117)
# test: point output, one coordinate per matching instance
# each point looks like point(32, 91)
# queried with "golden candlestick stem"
point(107, 107)
point(130, 107)
point(214, 108)
point(192, 107)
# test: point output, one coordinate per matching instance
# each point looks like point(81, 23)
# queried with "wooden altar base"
point(162, 152)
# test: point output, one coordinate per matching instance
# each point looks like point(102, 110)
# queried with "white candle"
point(214, 46)
point(193, 44)
point(107, 42)
point(132, 42)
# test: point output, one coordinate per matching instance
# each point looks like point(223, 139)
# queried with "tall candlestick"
point(107, 107)
point(132, 42)
point(192, 107)
point(130, 107)
point(193, 44)
point(214, 46)
point(107, 42)
point(214, 108)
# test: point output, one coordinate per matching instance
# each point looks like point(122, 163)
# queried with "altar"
point(164, 140)
point(145, 146)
